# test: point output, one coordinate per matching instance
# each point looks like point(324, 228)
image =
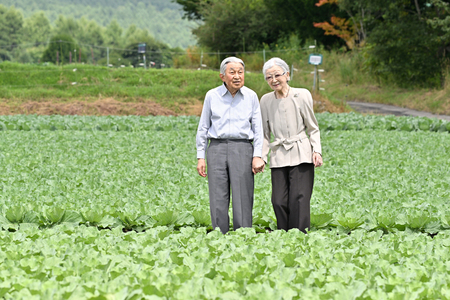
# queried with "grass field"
point(348, 79)
point(31, 89)
point(112, 208)
point(168, 87)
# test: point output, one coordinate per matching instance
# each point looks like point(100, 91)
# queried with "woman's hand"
point(317, 159)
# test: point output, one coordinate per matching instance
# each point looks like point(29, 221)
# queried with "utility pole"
point(315, 59)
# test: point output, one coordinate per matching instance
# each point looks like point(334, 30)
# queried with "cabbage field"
point(113, 208)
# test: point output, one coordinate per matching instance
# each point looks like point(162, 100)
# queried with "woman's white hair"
point(275, 61)
point(223, 65)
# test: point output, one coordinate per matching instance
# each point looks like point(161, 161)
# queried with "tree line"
point(162, 18)
point(35, 39)
point(401, 41)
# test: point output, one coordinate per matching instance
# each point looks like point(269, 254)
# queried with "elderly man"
point(231, 122)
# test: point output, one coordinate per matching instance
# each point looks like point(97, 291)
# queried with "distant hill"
point(162, 18)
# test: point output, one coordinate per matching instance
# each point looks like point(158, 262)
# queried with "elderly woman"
point(287, 114)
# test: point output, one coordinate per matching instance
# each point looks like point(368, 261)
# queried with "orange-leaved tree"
point(347, 29)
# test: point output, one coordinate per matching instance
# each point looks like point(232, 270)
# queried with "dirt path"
point(384, 109)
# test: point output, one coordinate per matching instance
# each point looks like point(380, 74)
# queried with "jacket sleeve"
point(312, 127)
point(266, 130)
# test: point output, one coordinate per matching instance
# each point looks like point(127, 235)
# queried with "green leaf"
point(15, 214)
point(92, 216)
point(71, 217)
point(55, 214)
point(351, 221)
point(321, 220)
point(202, 217)
point(166, 217)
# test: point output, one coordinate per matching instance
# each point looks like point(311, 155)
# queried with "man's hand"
point(201, 167)
point(317, 159)
point(258, 165)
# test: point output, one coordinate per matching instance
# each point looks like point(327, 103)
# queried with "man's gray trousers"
point(230, 165)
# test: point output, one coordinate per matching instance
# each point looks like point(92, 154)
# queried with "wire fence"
point(76, 69)
point(111, 56)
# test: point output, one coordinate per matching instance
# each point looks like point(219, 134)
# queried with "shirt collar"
point(223, 90)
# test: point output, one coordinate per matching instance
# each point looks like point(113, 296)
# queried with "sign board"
point(315, 59)
point(141, 48)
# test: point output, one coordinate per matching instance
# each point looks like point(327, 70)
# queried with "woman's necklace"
point(282, 95)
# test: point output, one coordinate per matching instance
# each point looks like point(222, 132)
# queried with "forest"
point(36, 39)
point(162, 18)
point(402, 41)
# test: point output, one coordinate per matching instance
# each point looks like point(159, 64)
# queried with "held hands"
point(258, 165)
point(317, 159)
point(201, 167)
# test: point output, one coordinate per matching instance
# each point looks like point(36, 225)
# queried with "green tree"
point(298, 17)
point(113, 35)
point(403, 47)
point(91, 36)
point(68, 26)
point(37, 28)
point(37, 31)
point(192, 8)
point(156, 52)
point(162, 18)
point(59, 49)
point(235, 26)
point(440, 21)
point(11, 31)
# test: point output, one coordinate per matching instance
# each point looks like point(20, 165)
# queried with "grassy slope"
point(22, 83)
point(345, 81)
point(171, 87)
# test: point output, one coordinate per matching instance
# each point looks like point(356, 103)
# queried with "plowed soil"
point(111, 106)
point(100, 107)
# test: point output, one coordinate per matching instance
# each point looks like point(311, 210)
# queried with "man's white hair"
point(223, 65)
point(275, 61)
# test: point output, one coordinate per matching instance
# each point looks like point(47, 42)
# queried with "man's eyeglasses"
point(276, 76)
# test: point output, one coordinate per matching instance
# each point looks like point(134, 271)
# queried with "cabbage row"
point(89, 123)
point(67, 262)
point(327, 122)
point(371, 179)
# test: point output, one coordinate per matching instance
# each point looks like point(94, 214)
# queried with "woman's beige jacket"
point(294, 128)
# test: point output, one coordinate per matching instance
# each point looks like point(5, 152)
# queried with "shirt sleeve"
point(312, 127)
point(257, 128)
point(203, 127)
